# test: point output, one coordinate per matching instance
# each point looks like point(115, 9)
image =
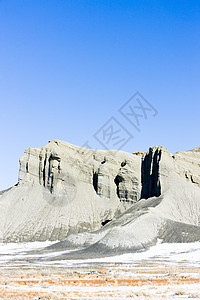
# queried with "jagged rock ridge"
point(171, 213)
point(64, 189)
point(105, 201)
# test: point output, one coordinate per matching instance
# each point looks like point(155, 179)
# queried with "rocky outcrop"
point(172, 213)
point(64, 189)
point(103, 201)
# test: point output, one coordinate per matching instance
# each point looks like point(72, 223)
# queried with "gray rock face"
point(68, 193)
point(64, 189)
point(171, 212)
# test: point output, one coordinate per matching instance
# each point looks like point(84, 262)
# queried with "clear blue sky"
point(66, 67)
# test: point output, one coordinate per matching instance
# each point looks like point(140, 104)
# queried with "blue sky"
point(66, 67)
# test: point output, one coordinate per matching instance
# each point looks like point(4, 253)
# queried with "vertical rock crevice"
point(51, 186)
point(49, 170)
point(150, 174)
point(101, 182)
point(117, 181)
point(44, 170)
point(95, 181)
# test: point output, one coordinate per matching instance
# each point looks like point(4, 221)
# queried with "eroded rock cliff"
point(169, 210)
point(104, 201)
point(64, 189)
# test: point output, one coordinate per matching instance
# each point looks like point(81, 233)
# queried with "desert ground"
point(164, 271)
point(111, 282)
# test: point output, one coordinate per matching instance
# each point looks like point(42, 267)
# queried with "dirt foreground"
point(111, 282)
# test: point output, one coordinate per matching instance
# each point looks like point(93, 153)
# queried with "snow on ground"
point(164, 271)
point(186, 254)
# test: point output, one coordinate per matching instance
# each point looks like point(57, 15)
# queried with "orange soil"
point(20, 284)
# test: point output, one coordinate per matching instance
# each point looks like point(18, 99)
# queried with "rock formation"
point(103, 201)
point(169, 209)
point(64, 189)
